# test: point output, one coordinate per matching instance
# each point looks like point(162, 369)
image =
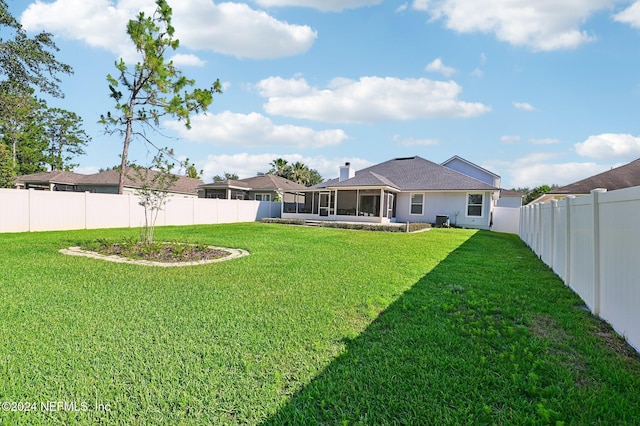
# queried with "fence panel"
point(206, 211)
point(582, 250)
point(506, 219)
point(560, 234)
point(546, 233)
point(105, 211)
point(22, 211)
point(14, 208)
point(619, 262)
point(57, 211)
point(595, 245)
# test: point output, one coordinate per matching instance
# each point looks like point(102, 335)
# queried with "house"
point(621, 177)
point(509, 198)
point(103, 182)
point(463, 166)
point(259, 188)
point(409, 189)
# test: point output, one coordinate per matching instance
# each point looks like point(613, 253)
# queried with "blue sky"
point(538, 92)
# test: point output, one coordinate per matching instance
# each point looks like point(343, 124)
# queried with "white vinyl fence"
point(22, 211)
point(593, 244)
point(506, 219)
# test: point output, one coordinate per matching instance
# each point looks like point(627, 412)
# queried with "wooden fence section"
point(23, 211)
point(593, 244)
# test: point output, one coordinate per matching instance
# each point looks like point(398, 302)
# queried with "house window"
point(417, 202)
point(263, 197)
point(474, 205)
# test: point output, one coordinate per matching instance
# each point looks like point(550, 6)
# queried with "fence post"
point(86, 207)
point(595, 195)
point(29, 208)
point(567, 273)
point(538, 228)
point(554, 207)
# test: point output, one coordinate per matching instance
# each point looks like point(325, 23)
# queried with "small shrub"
point(410, 227)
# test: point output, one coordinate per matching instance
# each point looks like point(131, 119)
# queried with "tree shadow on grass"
point(455, 349)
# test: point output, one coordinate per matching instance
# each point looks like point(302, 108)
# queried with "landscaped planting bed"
point(316, 326)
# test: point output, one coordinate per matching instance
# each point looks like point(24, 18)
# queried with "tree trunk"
point(125, 154)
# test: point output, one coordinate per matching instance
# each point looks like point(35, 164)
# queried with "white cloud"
point(524, 106)
point(402, 8)
point(544, 141)
point(477, 73)
point(324, 5)
point(90, 21)
point(182, 60)
point(540, 25)
point(86, 170)
point(368, 100)
point(253, 130)
point(610, 146)
point(248, 165)
point(543, 168)
point(509, 139)
point(200, 24)
point(414, 142)
point(438, 66)
point(630, 15)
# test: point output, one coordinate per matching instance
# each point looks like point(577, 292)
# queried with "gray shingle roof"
point(55, 176)
point(366, 178)
point(263, 182)
point(412, 174)
point(272, 182)
point(183, 185)
point(621, 177)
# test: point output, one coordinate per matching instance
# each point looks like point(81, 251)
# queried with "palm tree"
point(279, 167)
point(299, 173)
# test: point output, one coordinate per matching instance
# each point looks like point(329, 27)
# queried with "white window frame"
point(263, 197)
point(411, 204)
point(467, 205)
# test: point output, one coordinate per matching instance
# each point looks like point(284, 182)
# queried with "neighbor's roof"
point(55, 176)
point(510, 193)
point(621, 177)
point(263, 182)
point(183, 185)
point(411, 174)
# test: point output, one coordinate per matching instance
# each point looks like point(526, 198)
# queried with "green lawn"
point(316, 326)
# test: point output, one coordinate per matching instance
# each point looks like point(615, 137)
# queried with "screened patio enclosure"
point(356, 205)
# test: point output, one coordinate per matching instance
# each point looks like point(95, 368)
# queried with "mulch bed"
point(164, 252)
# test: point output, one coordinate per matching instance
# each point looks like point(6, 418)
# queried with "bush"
point(411, 227)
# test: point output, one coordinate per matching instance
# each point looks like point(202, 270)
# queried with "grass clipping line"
point(232, 254)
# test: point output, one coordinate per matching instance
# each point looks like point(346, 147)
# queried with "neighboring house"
point(509, 198)
point(259, 188)
point(409, 189)
point(49, 181)
point(103, 182)
point(621, 177)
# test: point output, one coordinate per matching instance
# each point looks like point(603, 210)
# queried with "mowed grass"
point(316, 326)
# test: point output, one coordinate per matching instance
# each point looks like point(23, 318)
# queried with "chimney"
point(346, 172)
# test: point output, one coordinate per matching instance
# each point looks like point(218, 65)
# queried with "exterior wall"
point(474, 172)
point(453, 204)
point(512, 202)
point(30, 210)
point(592, 243)
point(102, 189)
